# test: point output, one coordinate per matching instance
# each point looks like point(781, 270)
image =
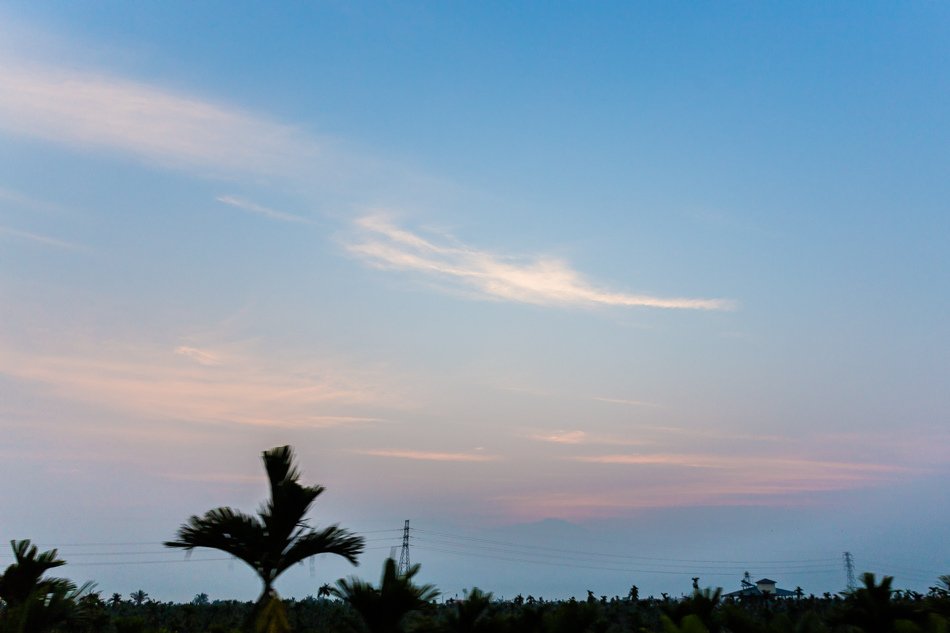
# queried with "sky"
point(593, 294)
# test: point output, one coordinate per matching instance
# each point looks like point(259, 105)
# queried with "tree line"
point(278, 536)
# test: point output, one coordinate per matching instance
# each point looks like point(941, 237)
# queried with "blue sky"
point(623, 274)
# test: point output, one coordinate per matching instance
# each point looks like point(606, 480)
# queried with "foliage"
point(33, 603)
point(470, 615)
point(701, 606)
point(925, 614)
point(689, 624)
point(872, 608)
point(383, 609)
point(278, 536)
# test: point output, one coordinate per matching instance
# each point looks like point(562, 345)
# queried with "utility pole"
point(849, 569)
point(404, 563)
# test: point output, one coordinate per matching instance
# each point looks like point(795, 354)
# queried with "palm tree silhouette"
point(24, 578)
point(278, 536)
point(471, 614)
point(32, 602)
point(138, 597)
point(382, 610)
point(871, 607)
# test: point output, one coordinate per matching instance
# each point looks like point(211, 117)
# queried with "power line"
point(45, 545)
point(827, 561)
point(472, 546)
point(166, 552)
point(627, 570)
point(162, 562)
point(673, 566)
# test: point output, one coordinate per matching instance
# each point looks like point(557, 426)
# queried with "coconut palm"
point(278, 536)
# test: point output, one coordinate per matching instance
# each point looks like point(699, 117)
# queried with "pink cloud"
point(432, 456)
point(196, 384)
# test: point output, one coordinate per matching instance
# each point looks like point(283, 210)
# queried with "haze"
point(662, 288)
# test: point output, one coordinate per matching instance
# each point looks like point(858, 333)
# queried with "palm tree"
point(29, 601)
point(138, 597)
point(382, 610)
point(278, 536)
point(471, 614)
point(25, 576)
point(702, 604)
point(871, 607)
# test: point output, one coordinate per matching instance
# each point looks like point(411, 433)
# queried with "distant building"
point(764, 588)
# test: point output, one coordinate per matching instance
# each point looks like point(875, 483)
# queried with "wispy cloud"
point(431, 456)
point(28, 202)
point(547, 393)
point(691, 480)
point(216, 478)
point(200, 356)
point(540, 281)
point(582, 437)
point(714, 434)
point(45, 240)
point(78, 108)
point(193, 384)
point(267, 212)
point(805, 468)
point(562, 437)
point(632, 403)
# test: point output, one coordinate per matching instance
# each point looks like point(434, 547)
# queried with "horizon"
point(666, 283)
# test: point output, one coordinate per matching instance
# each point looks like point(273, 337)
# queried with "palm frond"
point(278, 536)
point(25, 575)
point(332, 540)
point(286, 510)
point(225, 529)
point(279, 464)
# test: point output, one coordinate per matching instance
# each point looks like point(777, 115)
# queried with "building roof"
point(753, 590)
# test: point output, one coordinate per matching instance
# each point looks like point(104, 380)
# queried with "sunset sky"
point(665, 281)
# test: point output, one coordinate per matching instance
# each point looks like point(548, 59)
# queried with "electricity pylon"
point(404, 564)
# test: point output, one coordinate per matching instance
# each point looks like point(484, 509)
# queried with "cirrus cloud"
point(429, 456)
point(540, 281)
point(89, 109)
point(190, 383)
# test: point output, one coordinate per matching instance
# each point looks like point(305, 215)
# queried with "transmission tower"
point(849, 568)
point(404, 563)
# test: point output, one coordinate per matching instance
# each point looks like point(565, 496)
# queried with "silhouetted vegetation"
point(31, 602)
point(397, 605)
point(385, 609)
point(275, 539)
